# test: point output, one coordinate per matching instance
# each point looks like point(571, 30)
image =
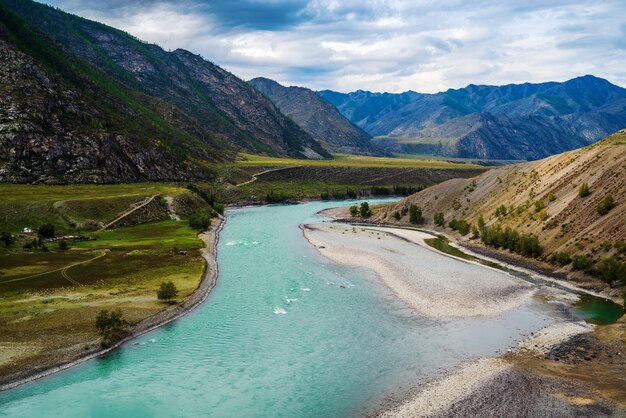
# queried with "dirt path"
point(129, 211)
point(255, 177)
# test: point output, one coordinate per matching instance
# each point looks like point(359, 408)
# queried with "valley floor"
point(569, 368)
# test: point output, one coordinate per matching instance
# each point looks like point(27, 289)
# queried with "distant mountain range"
point(84, 102)
point(512, 122)
point(317, 117)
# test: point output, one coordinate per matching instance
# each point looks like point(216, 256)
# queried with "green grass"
point(26, 193)
point(69, 206)
point(343, 160)
point(442, 244)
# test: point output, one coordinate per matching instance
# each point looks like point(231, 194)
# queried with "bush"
point(582, 262)
point(610, 270)
point(463, 227)
point(620, 245)
point(606, 205)
point(501, 211)
point(475, 232)
point(396, 215)
point(524, 244)
point(200, 220)
point(354, 211)
point(63, 245)
point(167, 291)
point(365, 210)
point(583, 190)
point(481, 222)
point(551, 197)
point(218, 207)
point(543, 214)
point(325, 196)
point(439, 219)
point(46, 230)
point(561, 258)
point(415, 214)
point(8, 239)
point(109, 320)
point(539, 205)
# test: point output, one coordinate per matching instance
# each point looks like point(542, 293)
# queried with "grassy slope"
point(342, 160)
point(43, 294)
point(572, 223)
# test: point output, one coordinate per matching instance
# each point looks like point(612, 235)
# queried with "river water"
point(285, 333)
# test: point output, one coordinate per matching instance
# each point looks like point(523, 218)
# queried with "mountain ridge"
point(570, 114)
point(316, 116)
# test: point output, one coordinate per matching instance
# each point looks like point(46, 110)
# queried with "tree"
point(475, 232)
point(63, 245)
point(481, 222)
point(7, 238)
point(439, 219)
point(583, 190)
point(46, 230)
point(106, 320)
point(463, 227)
point(606, 205)
point(415, 214)
point(200, 220)
point(365, 210)
point(167, 291)
point(354, 211)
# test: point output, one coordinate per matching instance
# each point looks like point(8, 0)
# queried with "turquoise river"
point(285, 333)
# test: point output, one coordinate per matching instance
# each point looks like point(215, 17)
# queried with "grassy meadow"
point(49, 298)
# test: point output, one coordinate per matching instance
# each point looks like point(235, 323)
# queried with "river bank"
point(535, 378)
point(77, 354)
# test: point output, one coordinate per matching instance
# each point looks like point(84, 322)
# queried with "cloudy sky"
point(383, 45)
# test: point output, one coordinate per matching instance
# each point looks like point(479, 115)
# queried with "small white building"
point(27, 230)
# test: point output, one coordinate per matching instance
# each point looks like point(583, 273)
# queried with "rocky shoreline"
point(572, 369)
point(166, 316)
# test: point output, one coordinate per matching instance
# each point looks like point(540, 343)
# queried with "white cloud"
point(388, 45)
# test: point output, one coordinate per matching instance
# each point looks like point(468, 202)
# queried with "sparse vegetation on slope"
point(536, 209)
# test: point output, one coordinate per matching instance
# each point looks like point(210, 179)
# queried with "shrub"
point(439, 219)
point(583, 190)
point(481, 222)
point(501, 211)
point(351, 194)
point(200, 220)
point(7, 238)
point(456, 205)
point(620, 245)
point(561, 258)
point(415, 214)
point(365, 210)
point(63, 245)
point(606, 205)
point(475, 232)
point(463, 227)
point(354, 211)
point(543, 214)
point(325, 196)
point(582, 262)
point(46, 230)
point(396, 215)
point(524, 244)
point(551, 197)
point(218, 207)
point(453, 224)
point(167, 291)
point(109, 320)
point(610, 270)
point(539, 205)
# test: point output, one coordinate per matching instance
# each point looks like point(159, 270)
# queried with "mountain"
point(512, 122)
point(317, 117)
point(62, 121)
point(211, 105)
point(541, 198)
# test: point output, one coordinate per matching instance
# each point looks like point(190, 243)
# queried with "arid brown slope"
point(572, 223)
